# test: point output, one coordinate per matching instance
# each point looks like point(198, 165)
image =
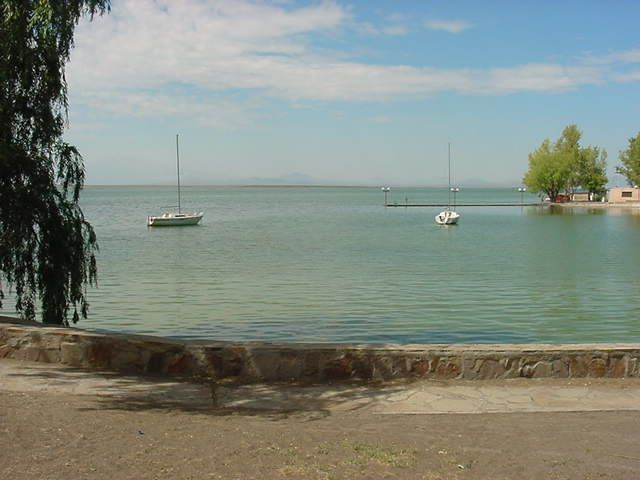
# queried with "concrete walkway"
point(424, 397)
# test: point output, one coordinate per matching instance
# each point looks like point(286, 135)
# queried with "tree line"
point(565, 166)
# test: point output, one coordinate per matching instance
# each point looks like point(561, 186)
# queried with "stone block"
point(578, 366)
point(132, 359)
point(232, 363)
point(180, 364)
point(511, 366)
point(311, 365)
point(543, 369)
point(273, 365)
point(156, 364)
point(448, 367)
point(339, 368)
point(434, 361)
point(363, 367)
point(30, 353)
point(215, 362)
point(5, 351)
point(419, 367)
point(489, 368)
point(73, 353)
point(264, 365)
point(597, 367)
point(290, 366)
point(535, 366)
point(35, 337)
point(560, 368)
point(382, 367)
point(241, 362)
point(526, 370)
point(401, 364)
point(99, 354)
point(617, 366)
point(50, 355)
point(198, 364)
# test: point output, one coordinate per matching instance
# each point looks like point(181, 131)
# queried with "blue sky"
point(360, 93)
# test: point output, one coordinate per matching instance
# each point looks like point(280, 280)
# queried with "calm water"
point(332, 264)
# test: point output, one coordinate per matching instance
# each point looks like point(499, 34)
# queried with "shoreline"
point(252, 362)
point(598, 205)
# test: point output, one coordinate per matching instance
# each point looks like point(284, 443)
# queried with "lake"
point(321, 264)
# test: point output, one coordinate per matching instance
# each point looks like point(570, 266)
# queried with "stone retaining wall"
point(251, 361)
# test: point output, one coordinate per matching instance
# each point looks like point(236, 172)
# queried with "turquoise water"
point(334, 265)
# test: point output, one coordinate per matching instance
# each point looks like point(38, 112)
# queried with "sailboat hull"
point(447, 217)
point(175, 219)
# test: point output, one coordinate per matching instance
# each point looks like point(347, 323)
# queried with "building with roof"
point(623, 194)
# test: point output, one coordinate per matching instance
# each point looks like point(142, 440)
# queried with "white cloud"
point(366, 28)
point(395, 30)
point(539, 78)
point(624, 57)
point(398, 17)
point(191, 58)
point(450, 26)
point(629, 56)
point(398, 24)
point(633, 76)
point(213, 112)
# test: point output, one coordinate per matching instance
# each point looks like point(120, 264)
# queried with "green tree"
point(549, 170)
point(630, 159)
point(591, 170)
point(569, 144)
point(47, 248)
point(566, 166)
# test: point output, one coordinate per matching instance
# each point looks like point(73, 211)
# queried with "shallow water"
point(334, 265)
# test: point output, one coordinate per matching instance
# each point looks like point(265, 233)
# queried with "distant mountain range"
point(297, 178)
point(294, 178)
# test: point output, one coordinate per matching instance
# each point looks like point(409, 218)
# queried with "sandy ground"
point(50, 429)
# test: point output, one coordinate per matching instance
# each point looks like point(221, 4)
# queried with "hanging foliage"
point(47, 248)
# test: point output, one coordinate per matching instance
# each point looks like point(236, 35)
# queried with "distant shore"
point(626, 205)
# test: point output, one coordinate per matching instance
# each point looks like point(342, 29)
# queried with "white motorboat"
point(173, 219)
point(449, 216)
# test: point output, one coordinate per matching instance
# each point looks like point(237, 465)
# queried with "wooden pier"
point(537, 204)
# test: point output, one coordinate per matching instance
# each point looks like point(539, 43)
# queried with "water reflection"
point(598, 209)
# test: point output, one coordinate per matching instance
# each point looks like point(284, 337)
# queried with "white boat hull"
point(447, 217)
point(174, 219)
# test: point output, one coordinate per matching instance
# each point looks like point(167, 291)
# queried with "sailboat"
point(448, 216)
point(175, 219)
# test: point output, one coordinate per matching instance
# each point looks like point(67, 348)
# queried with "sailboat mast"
point(449, 174)
point(178, 168)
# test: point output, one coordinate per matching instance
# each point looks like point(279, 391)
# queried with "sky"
point(348, 93)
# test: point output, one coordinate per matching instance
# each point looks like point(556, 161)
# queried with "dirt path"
point(49, 433)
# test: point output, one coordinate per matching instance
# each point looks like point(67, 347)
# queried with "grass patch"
point(392, 456)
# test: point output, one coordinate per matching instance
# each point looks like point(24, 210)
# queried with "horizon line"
point(280, 185)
